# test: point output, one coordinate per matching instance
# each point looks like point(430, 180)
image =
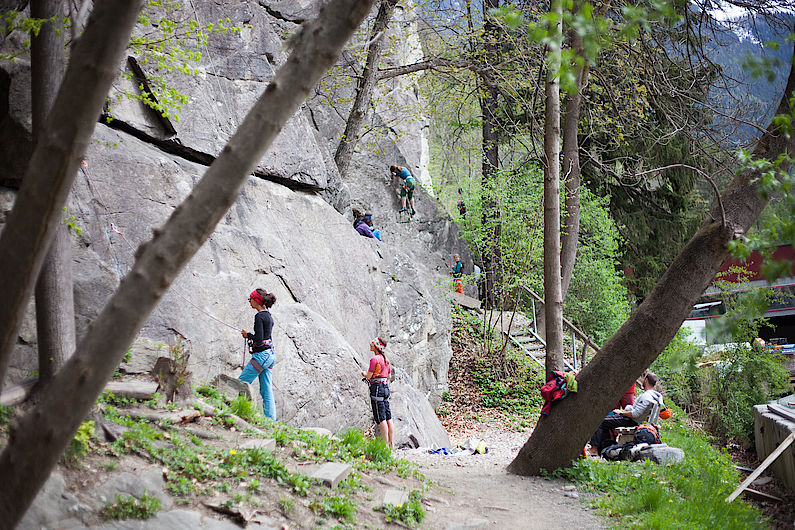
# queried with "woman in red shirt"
point(377, 377)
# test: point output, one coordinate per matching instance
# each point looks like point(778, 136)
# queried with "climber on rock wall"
point(407, 184)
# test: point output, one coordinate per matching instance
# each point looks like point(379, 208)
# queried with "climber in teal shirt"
point(407, 187)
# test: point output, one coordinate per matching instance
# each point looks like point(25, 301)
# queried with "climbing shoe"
point(401, 210)
point(413, 211)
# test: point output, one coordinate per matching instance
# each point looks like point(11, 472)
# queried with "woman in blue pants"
point(262, 356)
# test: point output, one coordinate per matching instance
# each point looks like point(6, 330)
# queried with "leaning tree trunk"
point(553, 307)
point(571, 172)
point(55, 310)
point(364, 88)
point(38, 208)
point(41, 436)
point(492, 253)
point(559, 437)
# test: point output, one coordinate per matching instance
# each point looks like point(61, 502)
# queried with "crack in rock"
point(279, 15)
point(174, 147)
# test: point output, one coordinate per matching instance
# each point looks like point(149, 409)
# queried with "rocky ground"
point(189, 467)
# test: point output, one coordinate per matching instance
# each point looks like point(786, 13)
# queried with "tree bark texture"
point(492, 255)
point(41, 436)
point(38, 208)
point(553, 307)
point(364, 88)
point(558, 438)
point(571, 173)
point(55, 313)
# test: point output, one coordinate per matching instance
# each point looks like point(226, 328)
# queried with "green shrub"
point(209, 391)
point(128, 507)
point(722, 394)
point(353, 441)
point(379, 452)
point(743, 378)
point(244, 408)
point(80, 444)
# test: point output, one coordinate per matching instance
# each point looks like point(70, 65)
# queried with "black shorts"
point(379, 399)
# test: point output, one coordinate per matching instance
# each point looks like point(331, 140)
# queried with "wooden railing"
point(574, 330)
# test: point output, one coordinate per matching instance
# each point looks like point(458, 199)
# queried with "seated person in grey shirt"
point(632, 416)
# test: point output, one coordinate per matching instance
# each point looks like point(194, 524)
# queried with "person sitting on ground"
point(262, 357)
point(456, 271)
point(377, 377)
point(407, 187)
point(632, 416)
point(361, 225)
point(368, 218)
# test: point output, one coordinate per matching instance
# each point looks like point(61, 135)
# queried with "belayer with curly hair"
point(377, 376)
point(261, 347)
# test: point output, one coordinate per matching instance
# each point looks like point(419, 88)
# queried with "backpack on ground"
point(647, 433)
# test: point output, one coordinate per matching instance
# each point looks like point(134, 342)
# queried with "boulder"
point(662, 454)
point(232, 387)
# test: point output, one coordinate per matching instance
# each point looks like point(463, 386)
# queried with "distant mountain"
point(756, 70)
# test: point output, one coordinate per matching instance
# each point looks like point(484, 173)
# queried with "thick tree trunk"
point(364, 88)
point(553, 307)
point(559, 437)
point(492, 254)
point(55, 314)
point(40, 437)
point(571, 173)
point(39, 204)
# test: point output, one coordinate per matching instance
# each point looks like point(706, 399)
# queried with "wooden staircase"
point(531, 343)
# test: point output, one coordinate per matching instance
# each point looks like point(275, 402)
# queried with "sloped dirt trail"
point(475, 491)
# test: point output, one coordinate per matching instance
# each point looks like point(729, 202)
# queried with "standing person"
point(456, 271)
point(407, 187)
point(261, 347)
point(632, 416)
point(377, 377)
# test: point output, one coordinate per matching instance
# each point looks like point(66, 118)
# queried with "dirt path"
point(475, 491)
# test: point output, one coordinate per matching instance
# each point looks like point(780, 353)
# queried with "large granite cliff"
point(289, 232)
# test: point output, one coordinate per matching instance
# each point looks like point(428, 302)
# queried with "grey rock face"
point(335, 290)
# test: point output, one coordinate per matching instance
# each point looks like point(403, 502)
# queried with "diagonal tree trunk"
point(553, 307)
point(55, 310)
point(652, 326)
point(41, 436)
point(571, 172)
point(364, 88)
point(39, 204)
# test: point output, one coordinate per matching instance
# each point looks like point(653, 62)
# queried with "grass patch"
point(410, 514)
point(688, 494)
point(339, 507)
point(128, 507)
